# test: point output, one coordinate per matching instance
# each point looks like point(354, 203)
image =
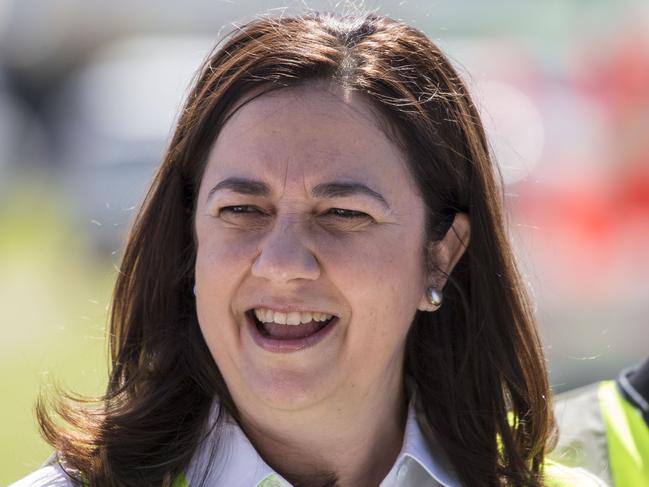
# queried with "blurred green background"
point(54, 293)
point(88, 95)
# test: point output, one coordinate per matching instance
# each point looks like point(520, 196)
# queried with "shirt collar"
point(230, 459)
point(417, 453)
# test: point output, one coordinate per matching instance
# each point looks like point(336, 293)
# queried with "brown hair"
point(474, 361)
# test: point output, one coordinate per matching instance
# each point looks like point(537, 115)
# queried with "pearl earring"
point(435, 296)
point(195, 290)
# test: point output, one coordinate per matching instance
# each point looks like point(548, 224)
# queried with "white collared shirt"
point(236, 463)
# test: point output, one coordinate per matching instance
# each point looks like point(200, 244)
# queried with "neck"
point(353, 443)
point(640, 380)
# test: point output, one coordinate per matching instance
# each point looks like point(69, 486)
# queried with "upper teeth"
point(292, 318)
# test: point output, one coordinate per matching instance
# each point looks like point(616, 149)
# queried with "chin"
point(289, 389)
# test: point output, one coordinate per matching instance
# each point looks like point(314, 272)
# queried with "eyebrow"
point(324, 190)
point(241, 185)
point(343, 188)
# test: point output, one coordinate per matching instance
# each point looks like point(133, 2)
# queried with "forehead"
point(308, 133)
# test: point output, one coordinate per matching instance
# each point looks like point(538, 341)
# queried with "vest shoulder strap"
point(627, 436)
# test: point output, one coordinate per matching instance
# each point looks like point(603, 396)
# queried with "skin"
point(289, 247)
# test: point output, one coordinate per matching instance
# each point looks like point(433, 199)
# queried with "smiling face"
point(306, 206)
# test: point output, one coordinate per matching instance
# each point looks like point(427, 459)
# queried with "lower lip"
point(286, 346)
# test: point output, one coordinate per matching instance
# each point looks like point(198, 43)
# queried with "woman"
point(318, 289)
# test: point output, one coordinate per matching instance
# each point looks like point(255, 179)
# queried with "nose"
point(283, 257)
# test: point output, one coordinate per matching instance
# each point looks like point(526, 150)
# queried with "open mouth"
point(277, 331)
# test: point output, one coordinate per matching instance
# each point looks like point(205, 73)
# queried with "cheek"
point(221, 258)
point(383, 259)
point(221, 265)
point(381, 278)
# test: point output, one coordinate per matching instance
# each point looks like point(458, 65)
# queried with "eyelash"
point(349, 214)
point(231, 209)
point(339, 212)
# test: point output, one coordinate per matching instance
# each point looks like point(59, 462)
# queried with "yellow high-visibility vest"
point(627, 436)
point(601, 431)
point(557, 475)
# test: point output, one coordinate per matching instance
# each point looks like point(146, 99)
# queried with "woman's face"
point(307, 210)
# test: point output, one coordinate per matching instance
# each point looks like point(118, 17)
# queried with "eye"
point(348, 214)
point(242, 214)
point(240, 210)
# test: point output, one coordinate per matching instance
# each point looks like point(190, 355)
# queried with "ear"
point(444, 254)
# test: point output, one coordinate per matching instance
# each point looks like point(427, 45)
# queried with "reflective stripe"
point(628, 438)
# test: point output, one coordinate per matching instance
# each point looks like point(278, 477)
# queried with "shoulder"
point(575, 399)
point(583, 440)
point(579, 416)
point(48, 476)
